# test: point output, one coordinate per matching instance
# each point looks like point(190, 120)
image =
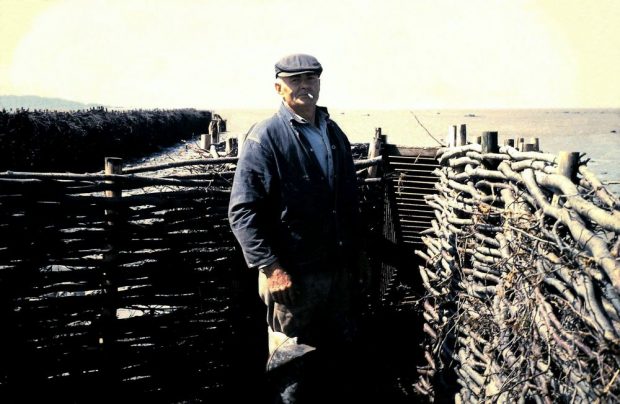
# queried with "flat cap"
point(298, 63)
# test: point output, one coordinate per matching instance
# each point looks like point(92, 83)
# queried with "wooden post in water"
point(568, 164)
point(374, 150)
point(536, 142)
point(479, 139)
point(509, 142)
point(521, 144)
point(462, 138)
point(451, 138)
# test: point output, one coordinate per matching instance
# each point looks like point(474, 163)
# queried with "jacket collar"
point(290, 116)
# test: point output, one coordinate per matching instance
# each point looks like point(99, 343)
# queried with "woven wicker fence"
point(522, 279)
point(123, 287)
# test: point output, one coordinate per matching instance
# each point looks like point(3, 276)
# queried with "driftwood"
point(522, 278)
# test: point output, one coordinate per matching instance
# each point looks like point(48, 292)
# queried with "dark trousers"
point(317, 377)
point(323, 325)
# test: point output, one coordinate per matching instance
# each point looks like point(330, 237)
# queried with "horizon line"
point(353, 108)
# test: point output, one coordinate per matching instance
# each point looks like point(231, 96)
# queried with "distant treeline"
point(79, 140)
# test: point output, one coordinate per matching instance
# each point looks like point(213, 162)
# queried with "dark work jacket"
point(281, 205)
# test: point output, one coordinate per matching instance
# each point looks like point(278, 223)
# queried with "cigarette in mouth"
point(310, 95)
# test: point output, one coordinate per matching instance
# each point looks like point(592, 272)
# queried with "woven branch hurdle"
point(522, 279)
point(124, 285)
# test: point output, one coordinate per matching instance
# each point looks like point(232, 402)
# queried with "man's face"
point(295, 90)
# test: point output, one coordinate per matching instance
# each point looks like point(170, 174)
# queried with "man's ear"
point(277, 86)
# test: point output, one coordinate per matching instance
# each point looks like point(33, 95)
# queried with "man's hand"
point(279, 284)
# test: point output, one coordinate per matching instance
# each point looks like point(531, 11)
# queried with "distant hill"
point(35, 102)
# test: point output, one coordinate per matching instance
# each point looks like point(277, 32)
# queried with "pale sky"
point(404, 54)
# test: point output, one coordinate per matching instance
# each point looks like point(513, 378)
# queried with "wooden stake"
point(213, 152)
point(536, 142)
point(374, 150)
point(451, 138)
point(462, 138)
point(489, 142)
point(568, 163)
point(113, 165)
point(205, 141)
point(221, 125)
point(109, 266)
point(214, 132)
point(509, 142)
point(231, 142)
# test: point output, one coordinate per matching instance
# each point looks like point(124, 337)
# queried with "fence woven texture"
point(522, 280)
point(143, 296)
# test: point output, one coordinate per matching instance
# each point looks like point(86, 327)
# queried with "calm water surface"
point(595, 132)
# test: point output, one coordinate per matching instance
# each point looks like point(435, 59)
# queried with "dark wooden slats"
point(411, 175)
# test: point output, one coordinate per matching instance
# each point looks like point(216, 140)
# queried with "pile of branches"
point(79, 140)
point(523, 281)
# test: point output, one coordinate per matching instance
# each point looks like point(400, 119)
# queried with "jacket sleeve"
point(250, 214)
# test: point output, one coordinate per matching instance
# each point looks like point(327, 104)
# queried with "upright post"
point(108, 333)
point(205, 141)
point(489, 145)
point(489, 142)
point(479, 139)
point(374, 150)
point(462, 138)
point(536, 143)
point(214, 132)
point(568, 164)
point(231, 142)
point(113, 165)
point(521, 144)
point(451, 138)
point(221, 125)
point(213, 152)
point(509, 142)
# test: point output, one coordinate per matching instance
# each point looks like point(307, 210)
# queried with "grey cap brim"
point(285, 74)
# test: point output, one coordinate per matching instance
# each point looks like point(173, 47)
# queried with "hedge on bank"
point(79, 140)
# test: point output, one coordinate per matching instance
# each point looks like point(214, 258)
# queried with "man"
point(293, 209)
